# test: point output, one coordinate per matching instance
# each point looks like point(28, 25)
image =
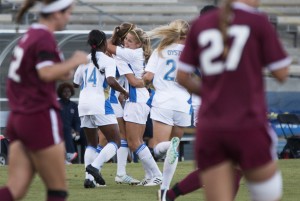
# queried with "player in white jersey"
point(135, 52)
point(117, 39)
point(171, 105)
point(94, 110)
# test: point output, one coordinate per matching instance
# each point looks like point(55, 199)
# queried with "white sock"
point(106, 153)
point(122, 155)
point(89, 156)
point(161, 149)
point(168, 173)
point(147, 160)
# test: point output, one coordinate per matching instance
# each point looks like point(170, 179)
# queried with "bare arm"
point(281, 74)
point(112, 49)
point(63, 70)
point(148, 77)
point(135, 82)
point(113, 83)
point(192, 84)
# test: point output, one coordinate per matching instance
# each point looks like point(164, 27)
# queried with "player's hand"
point(79, 57)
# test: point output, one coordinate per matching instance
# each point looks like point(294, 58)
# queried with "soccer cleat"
point(126, 179)
point(71, 156)
point(172, 152)
point(88, 184)
point(96, 174)
point(154, 181)
point(143, 182)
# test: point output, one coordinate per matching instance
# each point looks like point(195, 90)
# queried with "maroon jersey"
point(233, 88)
point(26, 92)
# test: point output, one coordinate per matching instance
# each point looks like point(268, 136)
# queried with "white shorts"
point(136, 112)
point(118, 109)
point(94, 121)
point(171, 117)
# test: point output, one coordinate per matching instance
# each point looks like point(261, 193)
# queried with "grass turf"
point(122, 192)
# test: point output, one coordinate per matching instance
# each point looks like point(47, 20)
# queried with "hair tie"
point(94, 46)
point(130, 28)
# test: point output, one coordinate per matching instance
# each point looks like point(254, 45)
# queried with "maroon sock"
point(5, 194)
point(238, 177)
point(189, 184)
point(57, 195)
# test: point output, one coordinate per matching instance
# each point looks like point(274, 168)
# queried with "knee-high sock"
point(189, 184)
point(89, 156)
point(106, 153)
point(161, 149)
point(168, 173)
point(122, 155)
point(5, 194)
point(147, 160)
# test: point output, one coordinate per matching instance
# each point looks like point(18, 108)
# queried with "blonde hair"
point(224, 21)
point(141, 36)
point(171, 33)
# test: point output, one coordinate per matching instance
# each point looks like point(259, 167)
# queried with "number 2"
point(172, 64)
point(15, 64)
point(240, 34)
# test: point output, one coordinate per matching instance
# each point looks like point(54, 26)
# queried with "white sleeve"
point(110, 68)
point(126, 54)
point(78, 75)
point(123, 68)
point(153, 62)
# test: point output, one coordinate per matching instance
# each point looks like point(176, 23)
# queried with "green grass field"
point(290, 170)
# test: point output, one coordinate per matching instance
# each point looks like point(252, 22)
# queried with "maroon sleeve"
point(190, 52)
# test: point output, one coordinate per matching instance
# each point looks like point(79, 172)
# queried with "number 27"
point(240, 34)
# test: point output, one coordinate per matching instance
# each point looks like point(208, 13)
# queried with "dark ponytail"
point(97, 41)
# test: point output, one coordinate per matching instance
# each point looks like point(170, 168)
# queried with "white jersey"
point(92, 84)
point(121, 65)
point(168, 93)
point(135, 65)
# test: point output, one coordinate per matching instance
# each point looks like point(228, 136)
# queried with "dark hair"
point(61, 88)
point(207, 8)
point(97, 41)
point(120, 32)
point(224, 21)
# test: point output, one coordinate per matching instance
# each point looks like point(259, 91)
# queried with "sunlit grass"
point(290, 170)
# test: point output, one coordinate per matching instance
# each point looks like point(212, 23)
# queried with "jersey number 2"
point(15, 64)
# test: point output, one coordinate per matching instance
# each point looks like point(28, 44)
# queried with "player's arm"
point(113, 83)
point(281, 74)
point(191, 83)
point(148, 77)
point(62, 70)
point(134, 81)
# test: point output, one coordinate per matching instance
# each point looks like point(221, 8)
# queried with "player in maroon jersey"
point(232, 45)
point(34, 125)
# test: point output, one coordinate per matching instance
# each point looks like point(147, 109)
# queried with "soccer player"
point(94, 110)
point(231, 46)
point(135, 53)
point(34, 125)
point(171, 104)
point(118, 37)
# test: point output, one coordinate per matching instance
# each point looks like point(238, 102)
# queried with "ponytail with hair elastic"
point(224, 21)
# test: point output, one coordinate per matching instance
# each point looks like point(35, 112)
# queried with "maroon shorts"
point(36, 131)
point(248, 148)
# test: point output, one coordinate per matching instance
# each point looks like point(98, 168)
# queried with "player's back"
point(164, 66)
point(233, 88)
point(92, 84)
point(27, 93)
